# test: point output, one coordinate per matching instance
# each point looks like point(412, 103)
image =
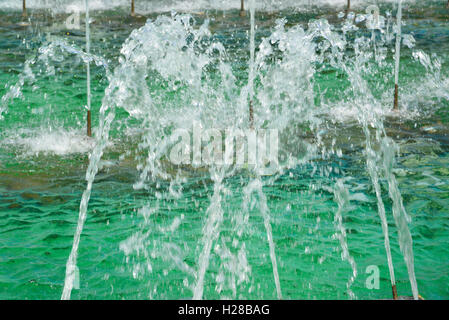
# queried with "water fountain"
point(348, 8)
point(173, 73)
point(375, 167)
point(24, 9)
point(71, 261)
point(252, 49)
point(89, 95)
point(214, 213)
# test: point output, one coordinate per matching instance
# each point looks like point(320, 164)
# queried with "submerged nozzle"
point(396, 98)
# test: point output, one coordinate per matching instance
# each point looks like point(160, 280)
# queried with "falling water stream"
point(374, 159)
point(89, 93)
point(211, 233)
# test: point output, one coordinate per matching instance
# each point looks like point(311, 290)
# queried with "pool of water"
point(147, 240)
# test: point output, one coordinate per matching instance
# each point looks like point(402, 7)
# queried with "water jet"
point(161, 229)
point(397, 55)
point(71, 265)
point(89, 97)
point(348, 8)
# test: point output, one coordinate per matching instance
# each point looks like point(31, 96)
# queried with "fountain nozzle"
point(396, 97)
point(242, 8)
point(24, 9)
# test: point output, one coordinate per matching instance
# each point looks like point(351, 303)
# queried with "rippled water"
point(44, 157)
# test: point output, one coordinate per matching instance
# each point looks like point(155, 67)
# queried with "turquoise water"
point(44, 157)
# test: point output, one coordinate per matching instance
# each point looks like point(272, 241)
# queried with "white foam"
point(58, 142)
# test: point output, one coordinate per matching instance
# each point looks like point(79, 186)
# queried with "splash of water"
point(401, 217)
point(252, 49)
point(161, 6)
point(257, 183)
point(257, 186)
point(50, 53)
point(105, 124)
point(367, 118)
point(89, 96)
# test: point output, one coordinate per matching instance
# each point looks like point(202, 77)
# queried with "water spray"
point(89, 117)
point(24, 9)
point(398, 55)
point(71, 262)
